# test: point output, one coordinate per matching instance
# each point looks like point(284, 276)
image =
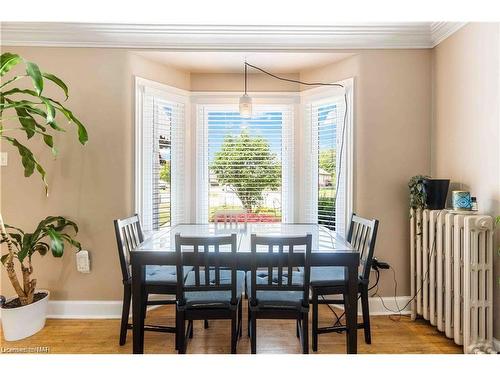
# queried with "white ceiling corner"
point(442, 30)
point(227, 37)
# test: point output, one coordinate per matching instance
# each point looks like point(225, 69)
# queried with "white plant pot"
point(21, 322)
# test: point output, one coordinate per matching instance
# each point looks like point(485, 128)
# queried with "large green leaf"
point(56, 242)
point(27, 121)
point(82, 132)
point(26, 247)
point(72, 241)
point(49, 141)
point(57, 81)
point(36, 76)
point(4, 258)
point(28, 159)
point(19, 91)
point(51, 112)
point(7, 61)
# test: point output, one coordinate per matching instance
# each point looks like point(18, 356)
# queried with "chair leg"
point(205, 324)
point(177, 325)
point(248, 322)
point(234, 332)
point(182, 334)
point(191, 329)
point(305, 333)
point(127, 294)
point(315, 308)
point(240, 317)
point(145, 304)
point(253, 334)
point(366, 315)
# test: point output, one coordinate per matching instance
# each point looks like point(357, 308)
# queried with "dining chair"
point(279, 292)
point(330, 281)
point(212, 289)
point(159, 279)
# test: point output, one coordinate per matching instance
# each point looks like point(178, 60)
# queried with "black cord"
point(293, 80)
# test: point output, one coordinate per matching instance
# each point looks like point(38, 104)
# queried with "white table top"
point(323, 239)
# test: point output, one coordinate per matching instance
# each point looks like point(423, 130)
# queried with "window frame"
point(317, 96)
point(229, 101)
point(142, 87)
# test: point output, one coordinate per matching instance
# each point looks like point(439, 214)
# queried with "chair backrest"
point(362, 235)
point(284, 261)
point(210, 262)
point(128, 236)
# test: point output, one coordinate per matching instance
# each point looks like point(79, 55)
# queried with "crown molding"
point(442, 30)
point(226, 37)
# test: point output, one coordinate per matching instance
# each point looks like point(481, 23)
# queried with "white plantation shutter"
point(275, 124)
point(324, 131)
point(161, 201)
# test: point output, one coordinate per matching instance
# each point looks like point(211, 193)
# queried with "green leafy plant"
point(32, 113)
point(27, 114)
point(418, 197)
point(50, 235)
point(247, 166)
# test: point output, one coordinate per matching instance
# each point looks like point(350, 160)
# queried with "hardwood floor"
point(101, 336)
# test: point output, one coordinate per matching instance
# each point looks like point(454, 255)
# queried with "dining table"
point(329, 248)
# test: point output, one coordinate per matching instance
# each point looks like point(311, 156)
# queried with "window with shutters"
point(328, 164)
point(246, 164)
point(160, 149)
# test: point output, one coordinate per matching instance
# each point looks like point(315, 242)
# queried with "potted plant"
point(426, 192)
point(28, 113)
point(418, 195)
point(24, 315)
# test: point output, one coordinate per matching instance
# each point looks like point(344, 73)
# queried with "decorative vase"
point(24, 321)
point(436, 191)
point(462, 200)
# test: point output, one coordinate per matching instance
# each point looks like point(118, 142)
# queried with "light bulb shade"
point(246, 106)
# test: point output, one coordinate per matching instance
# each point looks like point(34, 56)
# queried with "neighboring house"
point(325, 178)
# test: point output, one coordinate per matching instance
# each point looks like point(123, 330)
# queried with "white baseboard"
point(84, 309)
point(113, 309)
point(377, 307)
point(496, 344)
point(89, 309)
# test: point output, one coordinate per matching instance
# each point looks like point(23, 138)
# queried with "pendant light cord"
point(288, 79)
point(246, 77)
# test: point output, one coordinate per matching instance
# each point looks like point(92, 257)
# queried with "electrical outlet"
point(3, 159)
point(83, 261)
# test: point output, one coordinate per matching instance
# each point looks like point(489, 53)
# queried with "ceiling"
point(232, 61)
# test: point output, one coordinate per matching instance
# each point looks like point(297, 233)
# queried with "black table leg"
point(137, 309)
point(352, 310)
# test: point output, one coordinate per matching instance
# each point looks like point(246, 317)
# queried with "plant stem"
point(9, 265)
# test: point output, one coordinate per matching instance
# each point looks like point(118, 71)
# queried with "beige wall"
point(92, 184)
point(235, 82)
point(392, 120)
point(466, 127)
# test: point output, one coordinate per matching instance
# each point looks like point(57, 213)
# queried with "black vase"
point(436, 191)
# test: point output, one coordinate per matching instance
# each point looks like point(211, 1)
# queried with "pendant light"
point(245, 100)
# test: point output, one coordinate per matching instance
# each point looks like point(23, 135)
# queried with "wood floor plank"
point(273, 336)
